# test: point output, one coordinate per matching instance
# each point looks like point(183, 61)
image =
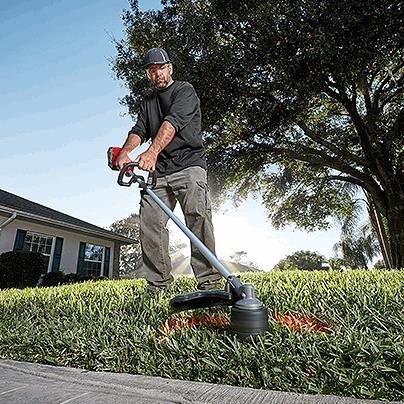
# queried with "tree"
point(130, 254)
point(358, 248)
point(240, 257)
point(359, 244)
point(303, 260)
point(379, 265)
point(302, 101)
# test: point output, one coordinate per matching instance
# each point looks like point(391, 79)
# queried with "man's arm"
point(133, 140)
point(147, 160)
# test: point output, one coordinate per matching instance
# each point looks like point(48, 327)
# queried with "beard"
point(161, 83)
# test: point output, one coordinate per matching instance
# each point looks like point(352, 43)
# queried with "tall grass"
point(114, 326)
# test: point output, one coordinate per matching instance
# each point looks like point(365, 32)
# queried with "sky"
point(60, 111)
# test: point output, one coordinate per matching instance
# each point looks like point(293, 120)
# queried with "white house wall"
point(71, 241)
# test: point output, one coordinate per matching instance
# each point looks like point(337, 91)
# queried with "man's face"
point(160, 75)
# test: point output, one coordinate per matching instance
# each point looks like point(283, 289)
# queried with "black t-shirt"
point(179, 105)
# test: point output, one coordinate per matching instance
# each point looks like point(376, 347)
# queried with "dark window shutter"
point(57, 254)
point(19, 240)
point(80, 261)
point(106, 261)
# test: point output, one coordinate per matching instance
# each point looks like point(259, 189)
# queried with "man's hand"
point(147, 160)
point(122, 159)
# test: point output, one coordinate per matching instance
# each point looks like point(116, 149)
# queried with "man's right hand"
point(122, 159)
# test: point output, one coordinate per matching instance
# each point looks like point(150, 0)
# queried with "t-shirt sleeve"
point(140, 127)
point(185, 105)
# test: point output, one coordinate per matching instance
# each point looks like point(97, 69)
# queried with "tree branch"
point(331, 146)
point(366, 95)
point(318, 158)
point(365, 135)
point(384, 100)
point(347, 178)
point(389, 76)
point(396, 130)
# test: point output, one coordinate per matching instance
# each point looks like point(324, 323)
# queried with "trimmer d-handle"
point(127, 170)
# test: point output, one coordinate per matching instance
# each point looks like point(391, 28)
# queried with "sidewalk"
point(22, 382)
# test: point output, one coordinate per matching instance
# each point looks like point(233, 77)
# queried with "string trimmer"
point(249, 316)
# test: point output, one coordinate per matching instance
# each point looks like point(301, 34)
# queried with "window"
point(39, 243)
point(93, 259)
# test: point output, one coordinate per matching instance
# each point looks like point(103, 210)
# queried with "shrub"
point(52, 279)
point(59, 278)
point(20, 269)
point(379, 265)
point(71, 278)
point(337, 264)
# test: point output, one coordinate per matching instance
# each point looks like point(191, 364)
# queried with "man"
point(170, 117)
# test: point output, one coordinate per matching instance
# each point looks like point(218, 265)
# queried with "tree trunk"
point(395, 221)
point(393, 189)
point(379, 227)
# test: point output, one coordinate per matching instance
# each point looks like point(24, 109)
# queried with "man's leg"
point(156, 262)
point(190, 188)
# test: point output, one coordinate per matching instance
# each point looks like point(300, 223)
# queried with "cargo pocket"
point(204, 204)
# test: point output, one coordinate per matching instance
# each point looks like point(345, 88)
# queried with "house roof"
point(35, 212)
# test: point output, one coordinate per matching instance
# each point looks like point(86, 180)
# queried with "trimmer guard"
point(200, 299)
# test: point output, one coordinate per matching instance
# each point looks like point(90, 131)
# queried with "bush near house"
point(59, 278)
point(20, 269)
point(115, 326)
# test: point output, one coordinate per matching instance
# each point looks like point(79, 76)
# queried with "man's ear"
point(171, 69)
point(148, 74)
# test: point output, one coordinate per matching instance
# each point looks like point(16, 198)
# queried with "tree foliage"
point(302, 100)
point(358, 244)
point(357, 249)
point(130, 255)
point(241, 257)
point(303, 260)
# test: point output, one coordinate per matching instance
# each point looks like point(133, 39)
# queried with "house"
point(68, 244)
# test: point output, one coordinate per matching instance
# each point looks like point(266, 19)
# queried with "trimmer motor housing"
point(112, 155)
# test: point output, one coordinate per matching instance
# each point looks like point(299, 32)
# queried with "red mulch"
point(296, 322)
point(174, 324)
point(302, 322)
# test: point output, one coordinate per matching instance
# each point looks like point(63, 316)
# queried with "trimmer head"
point(249, 317)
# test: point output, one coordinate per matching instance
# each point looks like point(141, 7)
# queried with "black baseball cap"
point(156, 56)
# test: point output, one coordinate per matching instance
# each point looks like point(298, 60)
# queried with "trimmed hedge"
point(20, 269)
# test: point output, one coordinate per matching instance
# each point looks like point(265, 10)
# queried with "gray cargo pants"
point(189, 188)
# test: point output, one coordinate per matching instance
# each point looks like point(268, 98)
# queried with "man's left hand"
point(147, 160)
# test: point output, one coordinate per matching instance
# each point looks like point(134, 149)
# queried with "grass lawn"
point(114, 326)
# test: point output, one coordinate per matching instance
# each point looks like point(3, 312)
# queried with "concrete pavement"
point(22, 382)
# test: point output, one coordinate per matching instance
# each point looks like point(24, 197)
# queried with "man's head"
point(158, 68)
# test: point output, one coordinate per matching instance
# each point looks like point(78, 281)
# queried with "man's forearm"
point(148, 160)
point(164, 137)
point(132, 141)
